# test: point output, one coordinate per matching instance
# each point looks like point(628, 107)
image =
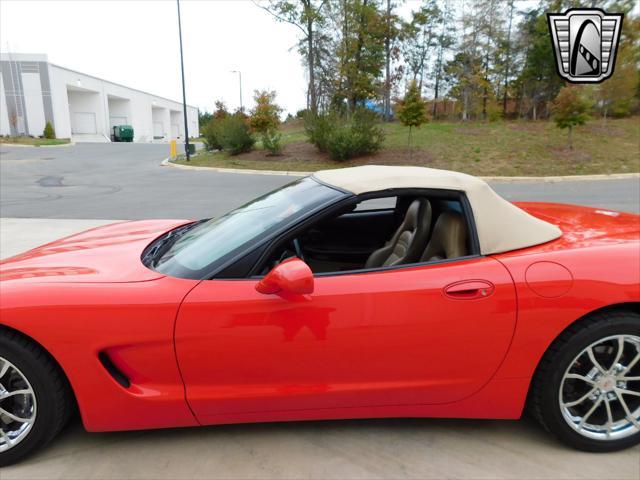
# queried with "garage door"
point(84, 122)
point(113, 121)
point(158, 131)
point(175, 130)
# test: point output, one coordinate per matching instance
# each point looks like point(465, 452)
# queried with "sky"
point(135, 43)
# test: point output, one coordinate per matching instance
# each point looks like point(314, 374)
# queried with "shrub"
point(49, 132)
point(210, 134)
point(343, 138)
point(320, 128)
point(233, 134)
point(272, 141)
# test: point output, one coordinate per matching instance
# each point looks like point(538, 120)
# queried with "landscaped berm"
point(517, 148)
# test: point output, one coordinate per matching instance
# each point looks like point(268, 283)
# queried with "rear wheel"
point(587, 388)
point(35, 399)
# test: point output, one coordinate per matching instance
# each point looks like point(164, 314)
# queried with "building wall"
point(46, 92)
point(5, 128)
point(26, 95)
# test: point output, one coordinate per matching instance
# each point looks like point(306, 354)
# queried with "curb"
point(168, 163)
point(551, 179)
point(21, 145)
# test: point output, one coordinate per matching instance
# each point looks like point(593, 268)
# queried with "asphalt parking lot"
point(46, 193)
point(124, 181)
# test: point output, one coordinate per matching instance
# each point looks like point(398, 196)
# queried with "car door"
point(419, 335)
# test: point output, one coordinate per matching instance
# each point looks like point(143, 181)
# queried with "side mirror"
point(291, 276)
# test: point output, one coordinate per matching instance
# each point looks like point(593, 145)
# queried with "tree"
point(359, 28)
point(507, 60)
point(570, 109)
point(220, 111)
point(444, 43)
point(538, 82)
point(203, 118)
point(618, 94)
point(412, 111)
point(419, 37)
point(265, 120)
point(391, 36)
point(307, 16)
point(49, 132)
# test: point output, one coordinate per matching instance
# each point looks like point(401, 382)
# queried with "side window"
point(385, 203)
point(380, 233)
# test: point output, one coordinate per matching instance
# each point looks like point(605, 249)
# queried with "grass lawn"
point(498, 148)
point(36, 142)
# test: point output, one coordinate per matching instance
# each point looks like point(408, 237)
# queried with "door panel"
point(84, 123)
point(375, 339)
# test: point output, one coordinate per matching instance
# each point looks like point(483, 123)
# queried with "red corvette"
point(353, 293)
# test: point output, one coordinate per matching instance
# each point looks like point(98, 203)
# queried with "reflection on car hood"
point(110, 253)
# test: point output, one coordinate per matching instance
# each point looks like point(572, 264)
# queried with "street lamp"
point(184, 94)
point(240, 80)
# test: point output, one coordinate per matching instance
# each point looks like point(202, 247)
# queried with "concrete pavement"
point(20, 234)
point(366, 449)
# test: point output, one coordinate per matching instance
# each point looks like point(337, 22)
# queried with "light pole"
point(240, 80)
point(184, 93)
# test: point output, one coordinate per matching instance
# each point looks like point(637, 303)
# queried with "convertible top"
point(501, 226)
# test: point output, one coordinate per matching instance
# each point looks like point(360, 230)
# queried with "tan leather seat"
point(449, 238)
point(407, 243)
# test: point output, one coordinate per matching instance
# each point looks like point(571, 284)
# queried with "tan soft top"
point(501, 225)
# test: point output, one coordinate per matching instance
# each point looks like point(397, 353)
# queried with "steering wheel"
point(298, 248)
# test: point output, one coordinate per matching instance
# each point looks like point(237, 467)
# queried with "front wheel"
point(586, 390)
point(35, 399)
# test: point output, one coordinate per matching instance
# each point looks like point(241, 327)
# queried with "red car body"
point(217, 351)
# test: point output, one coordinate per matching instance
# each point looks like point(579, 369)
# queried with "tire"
point(51, 393)
point(553, 395)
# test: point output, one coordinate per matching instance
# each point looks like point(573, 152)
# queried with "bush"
point(343, 139)
point(210, 134)
point(49, 132)
point(233, 134)
point(320, 129)
point(272, 141)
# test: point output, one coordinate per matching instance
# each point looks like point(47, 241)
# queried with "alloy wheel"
point(600, 391)
point(18, 405)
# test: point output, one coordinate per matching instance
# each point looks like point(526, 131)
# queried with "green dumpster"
point(123, 133)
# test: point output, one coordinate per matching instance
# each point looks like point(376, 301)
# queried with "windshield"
point(195, 250)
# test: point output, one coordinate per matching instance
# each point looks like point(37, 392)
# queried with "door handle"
point(469, 289)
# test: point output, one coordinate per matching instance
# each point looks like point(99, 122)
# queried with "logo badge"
point(585, 43)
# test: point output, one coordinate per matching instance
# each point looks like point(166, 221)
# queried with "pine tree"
point(412, 110)
point(570, 109)
point(49, 132)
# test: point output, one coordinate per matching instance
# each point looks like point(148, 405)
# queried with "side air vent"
point(117, 375)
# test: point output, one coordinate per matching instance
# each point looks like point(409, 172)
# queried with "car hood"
point(110, 253)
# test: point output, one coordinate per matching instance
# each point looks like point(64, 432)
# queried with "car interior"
point(380, 232)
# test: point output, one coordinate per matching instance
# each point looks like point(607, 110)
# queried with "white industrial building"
point(80, 106)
